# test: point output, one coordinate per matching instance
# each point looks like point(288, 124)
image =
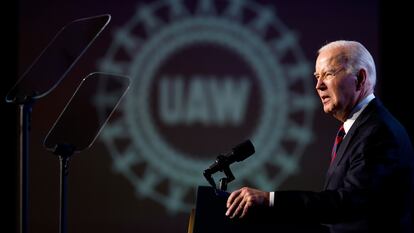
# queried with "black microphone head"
point(242, 151)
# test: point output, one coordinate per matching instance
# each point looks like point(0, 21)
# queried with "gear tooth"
point(139, 194)
point(261, 180)
point(124, 163)
point(177, 8)
point(145, 14)
point(263, 21)
point(206, 7)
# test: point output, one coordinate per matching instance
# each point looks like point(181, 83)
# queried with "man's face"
point(335, 86)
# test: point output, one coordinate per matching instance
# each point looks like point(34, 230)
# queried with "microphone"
point(238, 153)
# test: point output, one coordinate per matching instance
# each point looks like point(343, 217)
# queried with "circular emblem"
point(206, 76)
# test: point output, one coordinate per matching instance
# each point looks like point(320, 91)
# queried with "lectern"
point(209, 217)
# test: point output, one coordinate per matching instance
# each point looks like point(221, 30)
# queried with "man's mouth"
point(325, 98)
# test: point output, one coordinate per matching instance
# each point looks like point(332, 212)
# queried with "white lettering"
point(206, 100)
point(170, 98)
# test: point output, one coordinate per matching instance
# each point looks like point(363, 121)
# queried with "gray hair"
point(356, 57)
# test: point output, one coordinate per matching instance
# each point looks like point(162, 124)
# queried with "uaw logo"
point(206, 75)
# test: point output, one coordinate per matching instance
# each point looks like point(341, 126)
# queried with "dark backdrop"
point(102, 200)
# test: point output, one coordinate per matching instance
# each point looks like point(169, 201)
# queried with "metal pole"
point(64, 170)
point(24, 129)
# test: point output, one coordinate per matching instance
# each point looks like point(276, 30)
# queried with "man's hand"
point(241, 200)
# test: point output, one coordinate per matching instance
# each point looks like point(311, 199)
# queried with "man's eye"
point(329, 75)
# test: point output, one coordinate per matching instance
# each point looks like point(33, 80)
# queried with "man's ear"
point(361, 77)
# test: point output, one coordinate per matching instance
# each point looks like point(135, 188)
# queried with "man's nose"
point(320, 85)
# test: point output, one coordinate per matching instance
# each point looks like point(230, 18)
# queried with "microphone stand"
point(223, 161)
point(225, 180)
point(225, 167)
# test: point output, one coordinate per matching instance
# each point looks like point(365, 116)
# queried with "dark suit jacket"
point(369, 186)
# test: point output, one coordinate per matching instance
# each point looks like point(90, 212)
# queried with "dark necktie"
point(338, 139)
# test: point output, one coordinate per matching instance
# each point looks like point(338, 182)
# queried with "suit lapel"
point(348, 138)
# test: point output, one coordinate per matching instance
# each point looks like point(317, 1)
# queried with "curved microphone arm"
point(222, 164)
point(223, 161)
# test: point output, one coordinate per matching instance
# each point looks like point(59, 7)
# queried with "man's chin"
point(327, 109)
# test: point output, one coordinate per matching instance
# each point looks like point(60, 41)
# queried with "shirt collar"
point(356, 111)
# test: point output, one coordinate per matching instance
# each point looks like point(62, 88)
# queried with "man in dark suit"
point(370, 182)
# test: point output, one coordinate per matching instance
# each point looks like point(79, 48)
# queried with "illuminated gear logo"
point(206, 76)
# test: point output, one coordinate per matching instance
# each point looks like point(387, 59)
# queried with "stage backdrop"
point(205, 76)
